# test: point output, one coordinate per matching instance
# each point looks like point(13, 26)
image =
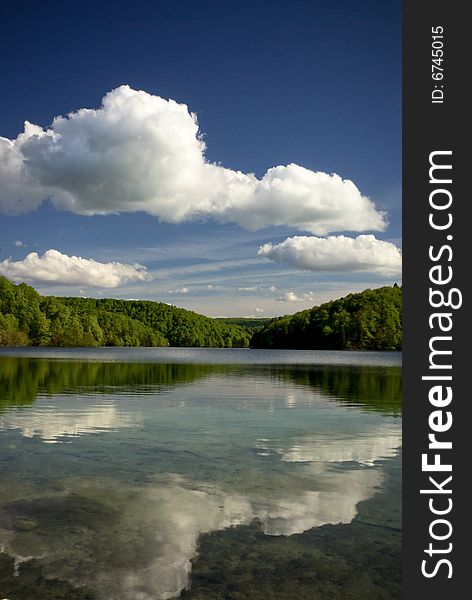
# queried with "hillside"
point(370, 320)
point(251, 323)
point(29, 319)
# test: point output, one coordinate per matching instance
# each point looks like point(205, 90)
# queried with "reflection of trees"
point(22, 379)
point(378, 389)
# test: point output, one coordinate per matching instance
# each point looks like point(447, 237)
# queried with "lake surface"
point(149, 474)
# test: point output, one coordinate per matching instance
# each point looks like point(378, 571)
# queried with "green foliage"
point(26, 318)
point(370, 320)
point(252, 323)
point(10, 334)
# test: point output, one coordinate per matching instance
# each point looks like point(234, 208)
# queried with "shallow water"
point(122, 477)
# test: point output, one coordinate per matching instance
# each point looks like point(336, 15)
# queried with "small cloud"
point(294, 297)
point(289, 297)
point(272, 289)
point(248, 289)
point(259, 310)
point(55, 267)
point(337, 254)
point(182, 290)
point(20, 244)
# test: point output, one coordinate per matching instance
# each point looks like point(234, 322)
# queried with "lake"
point(158, 473)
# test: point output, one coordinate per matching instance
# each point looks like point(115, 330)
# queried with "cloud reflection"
point(134, 533)
point(59, 423)
point(364, 448)
point(175, 511)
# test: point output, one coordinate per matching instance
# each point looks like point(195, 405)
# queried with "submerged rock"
point(24, 524)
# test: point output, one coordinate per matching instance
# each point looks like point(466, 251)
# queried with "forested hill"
point(27, 318)
point(371, 320)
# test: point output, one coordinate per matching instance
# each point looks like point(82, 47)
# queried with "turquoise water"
point(126, 473)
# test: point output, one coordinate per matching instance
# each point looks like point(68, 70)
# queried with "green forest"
point(29, 319)
point(370, 320)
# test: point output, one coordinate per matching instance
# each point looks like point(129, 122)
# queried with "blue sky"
point(212, 225)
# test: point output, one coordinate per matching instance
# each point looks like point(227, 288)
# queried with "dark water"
point(131, 475)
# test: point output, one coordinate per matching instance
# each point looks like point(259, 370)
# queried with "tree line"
point(370, 320)
point(29, 319)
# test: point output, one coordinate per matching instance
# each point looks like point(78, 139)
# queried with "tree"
point(370, 320)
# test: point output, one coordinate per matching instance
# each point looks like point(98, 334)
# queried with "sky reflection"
point(113, 489)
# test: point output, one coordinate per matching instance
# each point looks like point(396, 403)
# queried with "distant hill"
point(371, 320)
point(29, 319)
point(252, 323)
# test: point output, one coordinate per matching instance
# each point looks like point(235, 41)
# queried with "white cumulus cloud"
point(53, 266)
point(337, 253)
point(140, 152)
